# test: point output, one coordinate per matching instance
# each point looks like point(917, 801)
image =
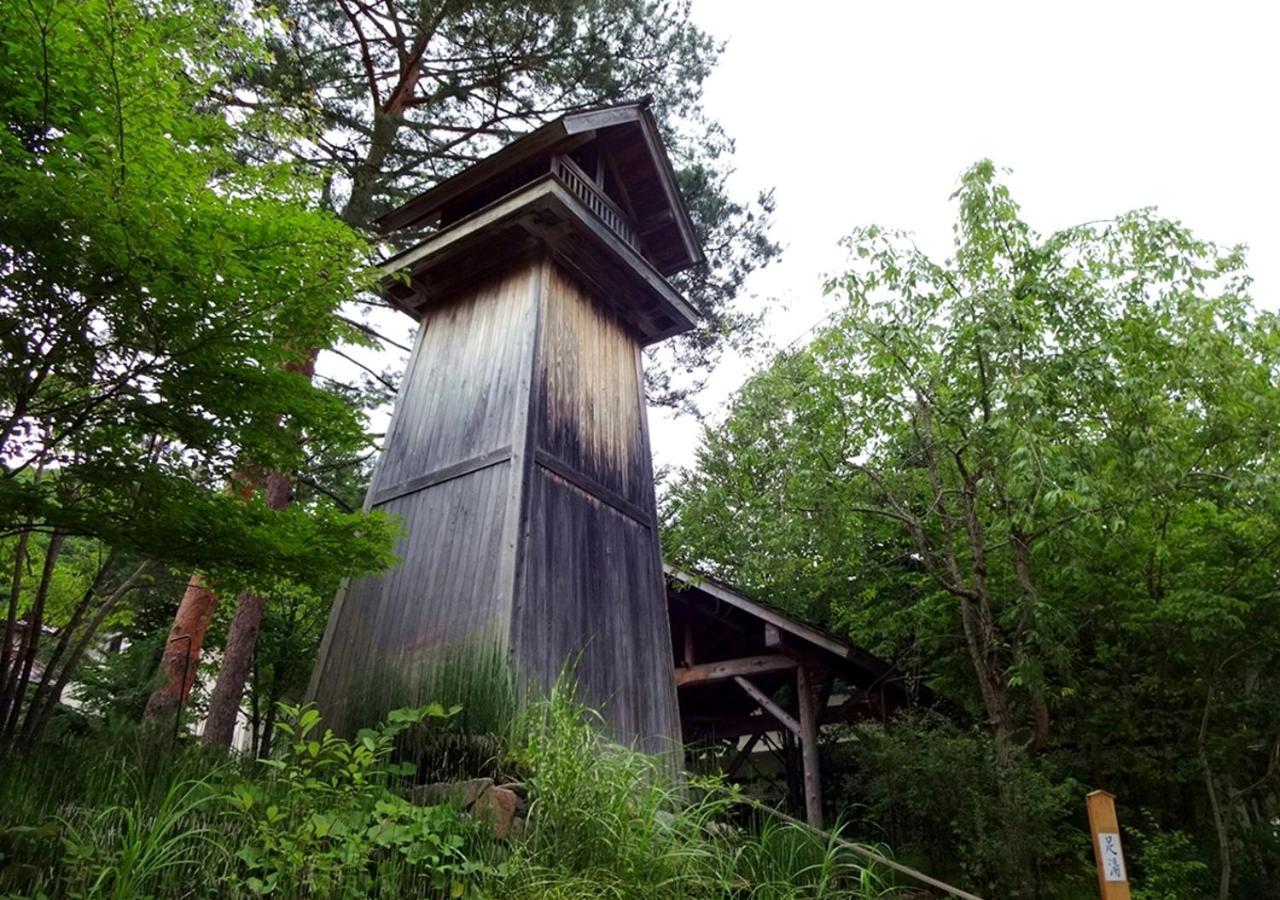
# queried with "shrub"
point(327, 822)
point(929, 788)
point(1166, 864)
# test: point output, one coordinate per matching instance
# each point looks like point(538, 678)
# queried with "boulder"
point(462, 794)
point(497, 806)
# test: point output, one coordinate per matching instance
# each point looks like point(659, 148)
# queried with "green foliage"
point(1039, 474)
point(929, 789)
point(1167, 865)
point(605, 821)
point(158, 298)
point(160, 304)
point(328, 823)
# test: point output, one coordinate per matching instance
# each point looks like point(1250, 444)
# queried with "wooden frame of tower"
point(518, 453)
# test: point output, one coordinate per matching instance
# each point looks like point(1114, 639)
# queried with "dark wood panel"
point(591, 592)
point(587, 394)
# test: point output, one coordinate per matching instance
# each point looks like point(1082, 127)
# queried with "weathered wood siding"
point(518, 460)
point(446, 471)
point(462, 388)
point(389, 628)
point(591, 584)
point(587, 389)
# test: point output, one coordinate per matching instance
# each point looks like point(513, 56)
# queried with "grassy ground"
point(120, 814)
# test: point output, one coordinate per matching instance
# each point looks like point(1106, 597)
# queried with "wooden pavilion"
point(749, 678)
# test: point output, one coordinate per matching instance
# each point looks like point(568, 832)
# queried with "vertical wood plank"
point(592, 587)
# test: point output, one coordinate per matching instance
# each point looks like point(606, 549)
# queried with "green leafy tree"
point(1042, 470)
point(157, 298)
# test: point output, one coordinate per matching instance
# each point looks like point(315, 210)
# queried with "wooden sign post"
point(1113, 876)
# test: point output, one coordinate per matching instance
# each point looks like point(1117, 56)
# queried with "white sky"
point(867, 112)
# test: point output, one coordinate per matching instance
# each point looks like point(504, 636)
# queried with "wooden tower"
point(518, 454)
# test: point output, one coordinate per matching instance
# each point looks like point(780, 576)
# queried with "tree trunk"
point(224, 702)
point(1219, 825)
point(7, 654)
point(182, 650)
point(38, 717)
point(268, 730)
point(64, 642)
point(11, 702)
point(255, 711)
point(242, 638)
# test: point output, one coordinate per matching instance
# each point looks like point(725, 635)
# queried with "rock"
point(519, 827)
point(462, 794)
point(497, 806)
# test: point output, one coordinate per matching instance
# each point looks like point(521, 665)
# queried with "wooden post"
point(1113, 878)
point(809, 747)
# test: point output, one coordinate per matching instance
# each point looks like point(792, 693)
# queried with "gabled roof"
point(817, 638)
point(625, 130)
point(730, 651)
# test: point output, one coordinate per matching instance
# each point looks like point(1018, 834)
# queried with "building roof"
point(719, 635)
point(628, 135)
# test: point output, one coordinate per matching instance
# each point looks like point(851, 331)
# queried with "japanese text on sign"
point(1112, 857)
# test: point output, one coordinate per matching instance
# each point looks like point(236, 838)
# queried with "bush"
point(928, 787)
point(1166, 864)
point(326, 821)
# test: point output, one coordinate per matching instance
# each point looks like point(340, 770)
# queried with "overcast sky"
point(867, 112)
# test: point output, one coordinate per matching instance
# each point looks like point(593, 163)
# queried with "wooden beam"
point(742, 755)
point(737, 725)
point(723, 670)
point(767, 704)
point(690, 657)
point(808, 735)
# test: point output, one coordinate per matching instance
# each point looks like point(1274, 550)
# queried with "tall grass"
point(605, 821)
point(476, 677)
point(119, 852)
point(110, 817)
point(122, 815)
